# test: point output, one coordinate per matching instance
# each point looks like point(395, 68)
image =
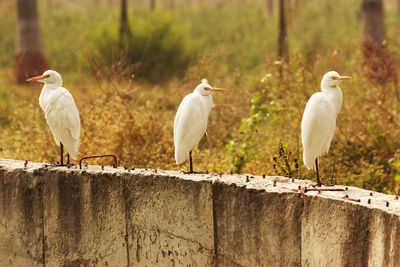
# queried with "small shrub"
point(284, 162)
point(155, 50)
point(243, 149)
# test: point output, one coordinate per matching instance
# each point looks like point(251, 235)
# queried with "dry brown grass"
point(134, 119)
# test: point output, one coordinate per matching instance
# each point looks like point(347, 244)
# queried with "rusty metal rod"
point(351, 199)
point(99, 156)
point(323, 189)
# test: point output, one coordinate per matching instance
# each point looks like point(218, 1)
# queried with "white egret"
point(319, 120)
point(191, 121)
point(61, 113)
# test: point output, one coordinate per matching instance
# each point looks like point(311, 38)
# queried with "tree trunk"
point(152, 4)
point(124, 29)
point(398, 7)
point(283, 49)
point(372, 19)
point(376, 56)
point(171, 4)
point(270, 6)
point(29, 59)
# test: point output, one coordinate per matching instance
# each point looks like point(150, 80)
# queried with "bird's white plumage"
point(318, 127)
point(319, 119)
point(61, 113)
point(191, 121)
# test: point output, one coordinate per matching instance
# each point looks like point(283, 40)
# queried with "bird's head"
point(332, 79)
point(48, 77)
point(205, 89)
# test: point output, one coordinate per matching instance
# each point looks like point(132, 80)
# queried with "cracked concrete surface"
point(118, 217)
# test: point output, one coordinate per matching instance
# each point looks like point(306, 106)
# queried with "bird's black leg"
point(316, 169)
point(61, 163)
point(62, 156)
point(191, 162)
point(68, 161)
point(191, 166)
point(319, 183)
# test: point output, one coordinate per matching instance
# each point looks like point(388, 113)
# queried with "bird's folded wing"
point(190, 125)
point(317, 127)
point(63, 119)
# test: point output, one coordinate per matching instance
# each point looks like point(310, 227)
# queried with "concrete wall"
point(90, 217)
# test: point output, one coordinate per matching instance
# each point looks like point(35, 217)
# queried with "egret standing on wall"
point(61, 113)
point(319, 120)
point(191, 121)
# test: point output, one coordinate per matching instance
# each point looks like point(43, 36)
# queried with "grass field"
point(233, 46)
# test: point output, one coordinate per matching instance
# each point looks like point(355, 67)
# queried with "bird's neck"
point(47, 88)
point(335, 94)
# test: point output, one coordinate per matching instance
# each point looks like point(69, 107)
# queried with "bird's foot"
point(322, 184)
point(56, 165)
point(193, 172)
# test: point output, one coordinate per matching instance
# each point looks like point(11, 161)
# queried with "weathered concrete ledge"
point(116, 217)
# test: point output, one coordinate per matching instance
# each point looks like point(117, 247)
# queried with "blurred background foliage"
point(128, 90)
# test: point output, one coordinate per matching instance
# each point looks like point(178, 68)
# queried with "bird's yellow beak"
point(342, 78)
point(215, 89)
point(37, 78)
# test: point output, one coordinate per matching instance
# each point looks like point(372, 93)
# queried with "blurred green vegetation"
point(255, 126)
point(154, 50)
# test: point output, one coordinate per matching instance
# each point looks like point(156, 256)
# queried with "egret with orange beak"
point(60, 112)
point(191, 121)
point(319, 120)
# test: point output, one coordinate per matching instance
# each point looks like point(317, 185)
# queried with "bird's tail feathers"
point(179, 160)
point(309, 162)
point(73, 150)
point(74, 155)
point(179, 156)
